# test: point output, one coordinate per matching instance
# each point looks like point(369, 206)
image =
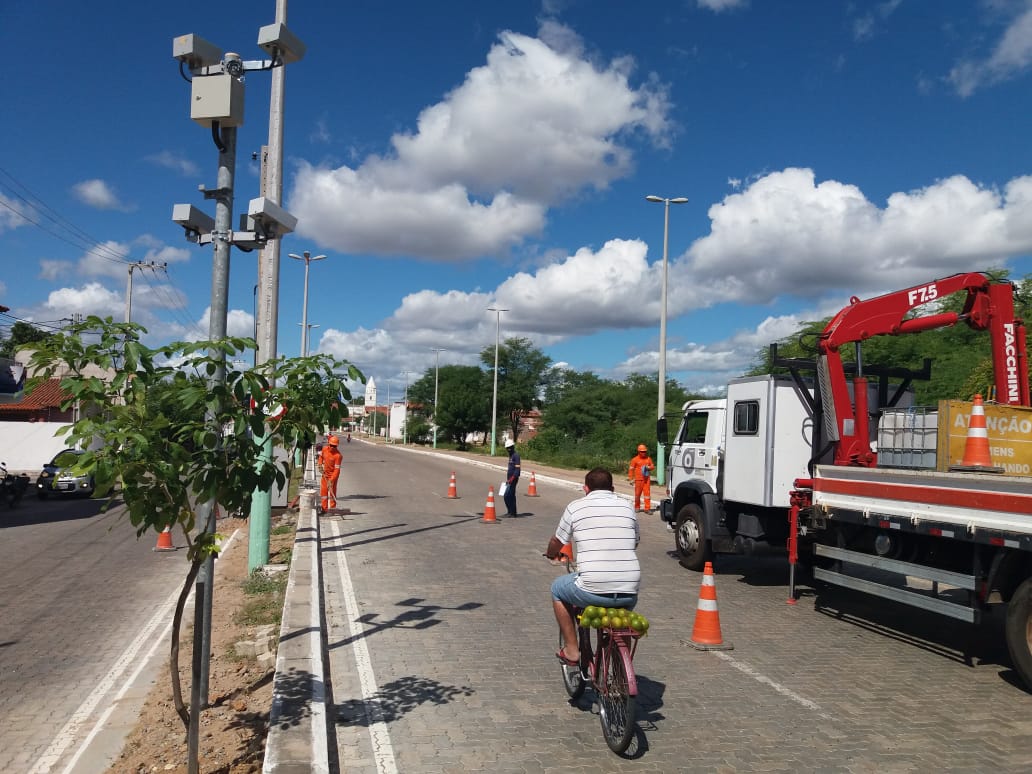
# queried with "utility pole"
point(494, 399)
point(437, 378)
point(217, 102)
point(267, 322)
point(129, 287)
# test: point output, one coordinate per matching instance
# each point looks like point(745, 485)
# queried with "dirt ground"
point(233, 728)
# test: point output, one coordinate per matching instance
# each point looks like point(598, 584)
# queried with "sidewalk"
point(299, 735)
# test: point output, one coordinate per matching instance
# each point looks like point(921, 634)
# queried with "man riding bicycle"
point(603, 530)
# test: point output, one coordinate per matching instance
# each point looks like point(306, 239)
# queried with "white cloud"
point(107, 259)
point(175, 162)
point(722, 5)
point(11, 214)
point(238, 323)
point(786, 234)
point(91, 298)
point(98, 194)
point(782, 235)
point(535, 125)
point(52, 270)
point(1011, 56)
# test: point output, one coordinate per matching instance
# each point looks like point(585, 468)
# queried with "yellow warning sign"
point(1009, 429)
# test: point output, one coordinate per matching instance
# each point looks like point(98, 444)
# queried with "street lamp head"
point(651, 198)
point(679, 200)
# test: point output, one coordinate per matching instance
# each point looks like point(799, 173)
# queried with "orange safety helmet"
point(642, 447)
point(332, 440)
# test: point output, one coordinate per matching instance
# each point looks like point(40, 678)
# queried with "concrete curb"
point(298, 732)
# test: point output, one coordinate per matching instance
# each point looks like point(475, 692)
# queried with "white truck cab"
point(732, 465)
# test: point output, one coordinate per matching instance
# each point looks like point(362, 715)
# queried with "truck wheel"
point(693, 549)
point(1019, 630)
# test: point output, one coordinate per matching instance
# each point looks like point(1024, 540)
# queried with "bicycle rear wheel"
point(617, 707)
point(573, 680)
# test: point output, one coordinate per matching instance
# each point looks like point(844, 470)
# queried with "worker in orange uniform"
point(329, 463)
point(640, 474)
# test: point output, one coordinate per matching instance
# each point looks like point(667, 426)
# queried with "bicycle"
point(608, 665)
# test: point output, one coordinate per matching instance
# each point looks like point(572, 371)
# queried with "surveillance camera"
point(233, 65)
point(195, 221)
point(277, 40)
point(269, 217)
point(195, 51)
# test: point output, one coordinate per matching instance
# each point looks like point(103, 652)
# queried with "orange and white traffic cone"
point(706, 632)
point(566, 553)
point(532, 489)
point(165, 540)
point(977, 457)
point(453, 492)
point(489, 509)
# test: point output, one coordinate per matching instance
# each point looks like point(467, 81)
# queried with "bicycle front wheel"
point(617, 707)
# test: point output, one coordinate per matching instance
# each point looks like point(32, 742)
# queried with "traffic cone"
point(566, 552)
point(165, 540)
point(532, 489)
point(977, 458)
point(453, 493)
point(706, 632)
point(489, 509)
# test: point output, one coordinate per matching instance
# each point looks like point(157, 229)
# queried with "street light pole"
point(437, 378)
point(661, 402)
point(494, 401)
point(307, 258)
point(404, 423)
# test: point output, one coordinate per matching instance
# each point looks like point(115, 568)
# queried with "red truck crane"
point(966, 536)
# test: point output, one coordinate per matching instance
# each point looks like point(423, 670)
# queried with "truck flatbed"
point(976, 504)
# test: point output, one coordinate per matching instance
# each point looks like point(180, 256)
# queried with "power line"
point(79, 238)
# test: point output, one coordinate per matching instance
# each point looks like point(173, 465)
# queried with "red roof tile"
point(47, 394)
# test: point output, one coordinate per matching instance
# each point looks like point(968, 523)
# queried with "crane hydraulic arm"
point(989, 306)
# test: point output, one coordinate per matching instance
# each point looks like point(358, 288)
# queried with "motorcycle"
point(12, 487)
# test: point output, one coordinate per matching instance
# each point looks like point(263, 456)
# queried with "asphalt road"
point(78, 598)
point(441, 643)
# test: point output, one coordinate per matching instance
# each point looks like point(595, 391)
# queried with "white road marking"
point(746, 669)
point(379, 736)
point(67, 735)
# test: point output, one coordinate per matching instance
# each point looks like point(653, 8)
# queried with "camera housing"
point(195, 51)
point(196, 222)
point(269, 218)
point(276, 39)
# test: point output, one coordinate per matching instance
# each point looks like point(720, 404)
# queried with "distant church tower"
point(370, 393)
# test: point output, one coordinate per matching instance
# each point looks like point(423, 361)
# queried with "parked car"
point(59, 478)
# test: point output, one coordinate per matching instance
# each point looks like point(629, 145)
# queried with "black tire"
point(573, 680)
point(1019, 631)
point(616, 706)
point(693, 546)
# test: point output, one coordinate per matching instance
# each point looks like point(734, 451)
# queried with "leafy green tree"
point(175, 435)
point(465, 402)
point(22, 333)
point(523, 372)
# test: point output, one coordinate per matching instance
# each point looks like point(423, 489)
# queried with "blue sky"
point(449, 157)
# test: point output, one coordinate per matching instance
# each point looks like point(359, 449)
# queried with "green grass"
point(265, 603)
point(283, 529)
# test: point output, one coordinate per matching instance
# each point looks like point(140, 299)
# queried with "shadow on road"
point(35, 511)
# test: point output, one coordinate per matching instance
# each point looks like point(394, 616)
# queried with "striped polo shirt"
point(604, 532)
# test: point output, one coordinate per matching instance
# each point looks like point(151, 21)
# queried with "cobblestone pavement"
point(78, 589)
point(441, 644)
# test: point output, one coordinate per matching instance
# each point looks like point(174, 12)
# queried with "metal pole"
point(129, 294)
point(494, 399)
point(661, 408)
point(304, 310)
point(216, 331)
point(437, 379)
point(404, 422)
point(268, 324)
point(661, 399)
